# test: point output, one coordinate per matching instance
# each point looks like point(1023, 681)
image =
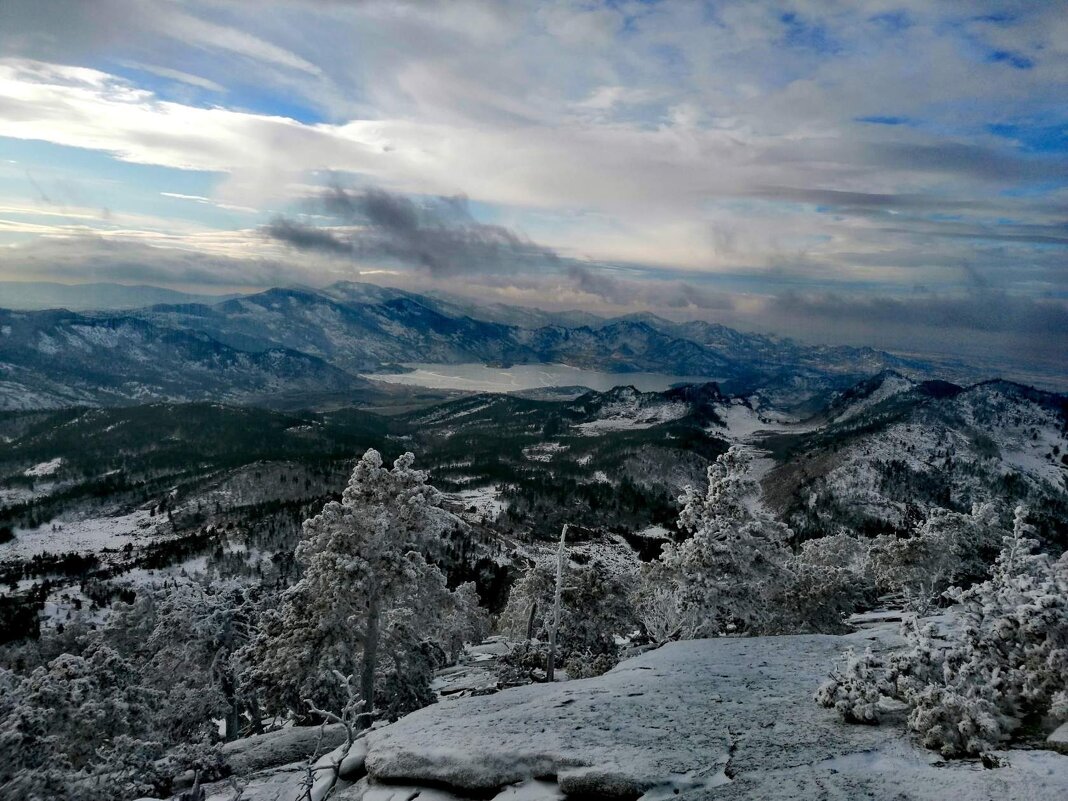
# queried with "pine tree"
point(366, 583)
point(723, 578)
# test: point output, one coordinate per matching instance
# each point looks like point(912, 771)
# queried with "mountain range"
point(302, 345)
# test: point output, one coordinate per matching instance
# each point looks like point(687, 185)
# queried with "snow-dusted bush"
point(855, 687)
point(659, 610)
point(187, 656)
point(838, 551)
point(368, 596)
point(815, 597)
point(1005, 660)
point(725, 576)
point(524, 663)
point(587, 665)
point(464, 620)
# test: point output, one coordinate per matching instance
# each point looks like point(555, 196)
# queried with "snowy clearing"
point(486, 500)
point(629, 410)
point(80, 536)
point(892, 385)
point(44, 468)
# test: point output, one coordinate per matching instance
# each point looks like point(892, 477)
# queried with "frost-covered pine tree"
point(595, 607)
point(724, 577)
point(188, 656)
point(366, 583)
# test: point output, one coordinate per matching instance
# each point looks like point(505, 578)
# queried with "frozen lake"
point(481, 378)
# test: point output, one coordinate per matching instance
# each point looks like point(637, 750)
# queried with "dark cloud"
point(1006, 333)
point(306, 237)
point(867, 201)
point(974, 161)
point(1002, 232)
point(438, 234)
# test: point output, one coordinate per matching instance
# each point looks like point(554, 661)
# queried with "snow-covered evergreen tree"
point(80, 727)
point(725, 576)
point(368, 595)
point(188, 655)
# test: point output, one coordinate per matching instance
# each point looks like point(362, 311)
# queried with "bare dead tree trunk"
point(550, 671)
point(530, 621)
point(370, 662)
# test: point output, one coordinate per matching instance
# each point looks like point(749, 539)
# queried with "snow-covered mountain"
point(889, 449)
point(319, 340)
point(52, 359)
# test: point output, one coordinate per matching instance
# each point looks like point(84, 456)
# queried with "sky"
point(845, 171)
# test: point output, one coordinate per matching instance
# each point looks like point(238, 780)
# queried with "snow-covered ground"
point(481, 378)
point(731, 718)
point(720, 719)
point(631, 412)
point(487, 501)
point(81, 536)
point(890, 386)
point(743, 423)
point(543, 452)
point(44, 468)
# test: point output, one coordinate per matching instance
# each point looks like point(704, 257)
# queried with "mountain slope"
point(888, 450)
point(317, 341)
point(57, 358)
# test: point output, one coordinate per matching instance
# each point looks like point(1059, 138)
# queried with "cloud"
point(985, 311)
point(177, 75)
point(88, 257)
point(647, 293)
point(438, 234)
point(307, 237)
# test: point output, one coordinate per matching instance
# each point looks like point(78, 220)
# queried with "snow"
point(724, 718)
point(543, 452)
point(891, 385)
point(44, 468)
point(742, 423)
point(281, 747)
point(486, 500)
point(631, 413)
point(1020, 437)
point(476, 377)
point(80, 536)
point(654, 533)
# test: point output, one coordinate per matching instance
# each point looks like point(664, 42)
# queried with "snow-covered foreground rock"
point(725, 718)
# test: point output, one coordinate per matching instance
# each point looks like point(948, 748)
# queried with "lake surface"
point(481, 378)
